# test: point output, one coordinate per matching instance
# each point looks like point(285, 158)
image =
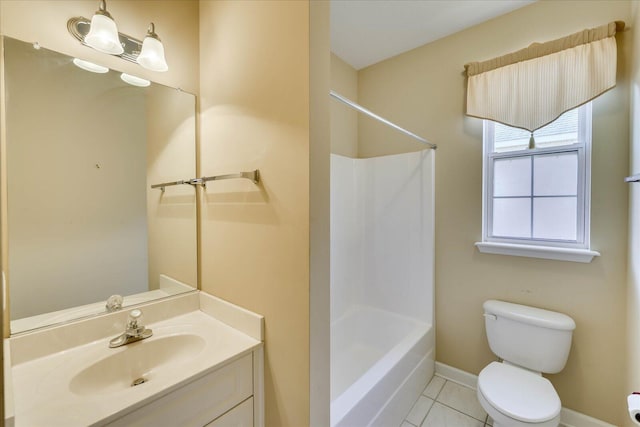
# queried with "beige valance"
point(532, 87)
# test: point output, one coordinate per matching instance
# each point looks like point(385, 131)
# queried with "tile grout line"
point(425, 416)
point(441, 388)
point(434, 400)
point(459, 411)
point(486, 417)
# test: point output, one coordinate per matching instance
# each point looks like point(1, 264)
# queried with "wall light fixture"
point(152, 54)
point(101, 33)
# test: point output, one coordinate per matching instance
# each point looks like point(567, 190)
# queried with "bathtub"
point(380, 364)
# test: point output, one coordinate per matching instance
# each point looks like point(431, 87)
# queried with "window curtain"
point(532, 87)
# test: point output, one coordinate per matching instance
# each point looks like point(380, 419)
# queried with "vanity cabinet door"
point(198, 402)
point(240, 416)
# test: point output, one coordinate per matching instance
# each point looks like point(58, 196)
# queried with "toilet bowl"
point(515, 397)
point(530, 341)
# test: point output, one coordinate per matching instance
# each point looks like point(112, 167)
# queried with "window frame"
point(582, 147)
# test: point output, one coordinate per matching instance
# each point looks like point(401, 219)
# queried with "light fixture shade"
point(103, 35)
point(152, 53)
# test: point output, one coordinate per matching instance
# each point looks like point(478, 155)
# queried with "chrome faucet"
point(134, 331)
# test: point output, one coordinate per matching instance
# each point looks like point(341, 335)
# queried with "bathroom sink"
point(69, 373)
point(136, 364)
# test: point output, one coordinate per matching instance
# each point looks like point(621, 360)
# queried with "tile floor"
point(447, 404)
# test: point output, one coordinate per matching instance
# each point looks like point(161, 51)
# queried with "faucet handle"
point(114, 303)
point(134, 323)
point(135, 330)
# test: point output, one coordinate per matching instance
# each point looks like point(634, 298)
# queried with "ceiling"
point(364, 32)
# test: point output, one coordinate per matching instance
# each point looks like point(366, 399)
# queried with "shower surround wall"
point(382, 340)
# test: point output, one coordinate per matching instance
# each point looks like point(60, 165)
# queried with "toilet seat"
point(519, 394)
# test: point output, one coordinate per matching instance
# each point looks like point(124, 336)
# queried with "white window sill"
point(545, 252)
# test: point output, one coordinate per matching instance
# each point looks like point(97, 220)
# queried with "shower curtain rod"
point(369, 113)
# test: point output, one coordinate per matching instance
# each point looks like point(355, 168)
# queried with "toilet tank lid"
point(530, 315)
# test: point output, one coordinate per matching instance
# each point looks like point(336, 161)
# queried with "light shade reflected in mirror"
point(82, 151)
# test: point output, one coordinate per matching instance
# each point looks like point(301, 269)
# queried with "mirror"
point(82, 221)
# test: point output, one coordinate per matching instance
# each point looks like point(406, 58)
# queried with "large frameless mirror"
point(82, 223)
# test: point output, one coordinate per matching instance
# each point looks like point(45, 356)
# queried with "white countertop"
point(41, 382)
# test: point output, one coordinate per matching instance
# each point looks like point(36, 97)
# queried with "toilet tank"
point(529, 337)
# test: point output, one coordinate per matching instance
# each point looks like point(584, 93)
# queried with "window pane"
point(556, 174)
point(512, 217)
point(555, 218)
point(507, 138)
point(563, 131)
point(512, 177)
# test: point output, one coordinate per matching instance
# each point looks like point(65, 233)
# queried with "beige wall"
point(424, 91)
point(255, 240)
point(633, 289)
point(344, 120)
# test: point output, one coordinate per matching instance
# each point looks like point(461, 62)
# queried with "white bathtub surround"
point(568, 417)
point(49, 366)
point(382, 234)
point(379, 362)
point(382, 341)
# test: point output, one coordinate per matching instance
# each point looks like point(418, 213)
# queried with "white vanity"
point(202, 366)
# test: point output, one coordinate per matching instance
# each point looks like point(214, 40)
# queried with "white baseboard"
point(568, 417)
point(571, 418)
point(456, 375)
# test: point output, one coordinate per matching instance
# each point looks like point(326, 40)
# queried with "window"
point(536, 200)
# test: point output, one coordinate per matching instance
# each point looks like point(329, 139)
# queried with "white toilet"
point(530, 341)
